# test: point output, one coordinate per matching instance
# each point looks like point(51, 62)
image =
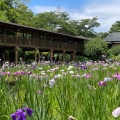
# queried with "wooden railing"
point(30, 42)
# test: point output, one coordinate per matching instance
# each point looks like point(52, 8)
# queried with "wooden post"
point(16, 37)
point(3, 56)
point(74, 55)
point(16, 55)
point(35, 55)
point(23, 55)
point(64, 56)
point(39, 56)
point(51, 55)
point(4, 35)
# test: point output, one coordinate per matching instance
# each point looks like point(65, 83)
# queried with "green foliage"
point(86, 27)
point(115, 26)
point(13, 10)
point(16, 11)
point(3, 16)
point(115, 58)
point(82, 58)
point(115, 50)
point(24, 15)
point(60, 22)
point(95, 48)
point(46, 21)
point(102, 35)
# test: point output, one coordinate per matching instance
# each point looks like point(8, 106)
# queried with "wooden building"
point(15, 36)
point(113, 38)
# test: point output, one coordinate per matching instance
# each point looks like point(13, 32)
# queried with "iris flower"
point(51, 82)
point(20, 114)
point(116, 112)
point(71, 118)
point(101, 83)
point(107, 79)
point(84, 67)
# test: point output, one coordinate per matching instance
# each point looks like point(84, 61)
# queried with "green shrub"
point(115, 58)
point(115, 50)
point(82, 58)
point(95, 48)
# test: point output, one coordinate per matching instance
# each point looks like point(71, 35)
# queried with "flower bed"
point(79, 91)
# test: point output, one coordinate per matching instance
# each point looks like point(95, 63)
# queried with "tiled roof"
point(113, 37)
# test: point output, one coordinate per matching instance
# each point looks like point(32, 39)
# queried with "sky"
point(107, 11)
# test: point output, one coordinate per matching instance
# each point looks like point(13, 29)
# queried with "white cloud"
point(107, 12)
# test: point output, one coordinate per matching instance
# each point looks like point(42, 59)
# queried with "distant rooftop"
point(113, 37)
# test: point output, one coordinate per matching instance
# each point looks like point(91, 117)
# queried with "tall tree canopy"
point(115, 26)
point(102, 35)
point(17, 12)
point(86, 27)
point(60, 22)
point(24, 15)
point(46, 21)
point(8, 9)
point(3, 16)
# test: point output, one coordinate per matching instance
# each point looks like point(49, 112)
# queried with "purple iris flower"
point(15, 74)
point(101, 83)
point(29, 73)
point(8, 73)
point(13, 116)
point(83, 67)
point(22, 72)
point(76, 64)
point(28, 110)
point(117, 75)
point(3, 73)
point(34, 67)
point(20, 114)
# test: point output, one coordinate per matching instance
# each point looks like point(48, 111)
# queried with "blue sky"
point(69, 4)
point(107, 11)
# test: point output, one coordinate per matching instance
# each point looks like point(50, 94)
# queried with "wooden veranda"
point(15, 36)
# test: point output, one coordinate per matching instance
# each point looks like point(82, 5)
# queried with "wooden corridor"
point(29, 38)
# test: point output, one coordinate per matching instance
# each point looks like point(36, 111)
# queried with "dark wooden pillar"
point(39, 55)
point(16, 55)
point(16, 37)
point(51, 55)
point(64, 56)
point(35, 55)
point(23, 34)
point(74, 55)
point(3, 56)
point(4, 30)
point(23, 55)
